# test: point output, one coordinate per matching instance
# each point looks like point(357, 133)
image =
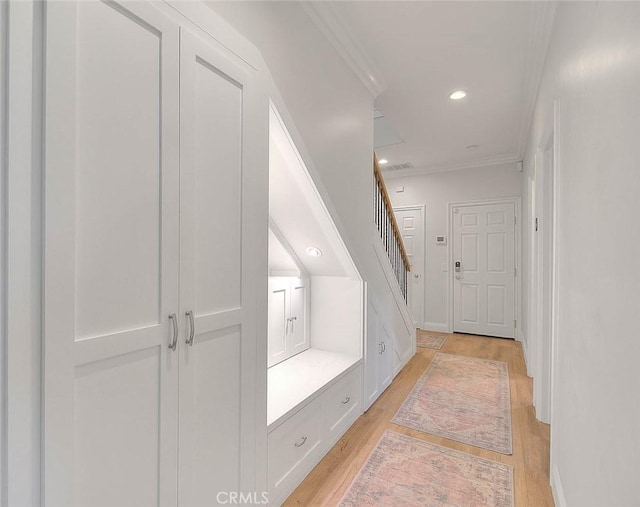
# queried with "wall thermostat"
point(441, 240)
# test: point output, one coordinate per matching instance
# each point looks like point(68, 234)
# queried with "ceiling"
point(412, 55)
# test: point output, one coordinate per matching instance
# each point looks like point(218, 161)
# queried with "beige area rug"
point(430, 340)
point(462, 398)
point(404, 471)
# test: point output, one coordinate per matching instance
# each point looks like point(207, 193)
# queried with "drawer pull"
point(303, 440)
point(346, 400)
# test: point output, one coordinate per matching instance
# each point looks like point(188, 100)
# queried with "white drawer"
point(294, 448)
point(342, 404)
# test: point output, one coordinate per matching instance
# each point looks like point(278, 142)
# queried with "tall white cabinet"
point(152, 137)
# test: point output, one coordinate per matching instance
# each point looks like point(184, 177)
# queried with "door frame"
point(517, 204)
point(21, 226)
point(538, 298)
point(423, 226)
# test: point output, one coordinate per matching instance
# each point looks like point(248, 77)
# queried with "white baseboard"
point(556, 488)
point(435, 326)
point(525, 352)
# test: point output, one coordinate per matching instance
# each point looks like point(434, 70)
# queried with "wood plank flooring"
point(530, 460)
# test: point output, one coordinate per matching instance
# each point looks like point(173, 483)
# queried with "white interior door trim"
point(539, 300)
point(21, 131)
point(517, 203)
point(555, 302)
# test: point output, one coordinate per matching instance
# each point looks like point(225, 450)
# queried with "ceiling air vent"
point(397, 167)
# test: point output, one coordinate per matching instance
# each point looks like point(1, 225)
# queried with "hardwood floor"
point(530, 460)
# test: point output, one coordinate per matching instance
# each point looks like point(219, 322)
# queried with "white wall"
point(341, 299)
point(593, 71)
point(333, 113)
point(436, 191)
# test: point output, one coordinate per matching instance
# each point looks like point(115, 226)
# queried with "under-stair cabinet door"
point(217, 295)
point(111, 245)
point(299, 316)
point(288, 333)
point(279, 318)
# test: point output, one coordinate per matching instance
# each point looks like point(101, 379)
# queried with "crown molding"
point(510, 158)
point(540, 32)
point(336, 31)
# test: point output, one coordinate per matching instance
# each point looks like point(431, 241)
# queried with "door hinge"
point(536, 224)
point(515, 324)
point(515, 271)
point(515, 220)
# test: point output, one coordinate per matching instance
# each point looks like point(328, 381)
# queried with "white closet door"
point(279, 306)
point(299, 324)
point(372, 358)
point(386, 358)
point(111, 255)
point(216, 392)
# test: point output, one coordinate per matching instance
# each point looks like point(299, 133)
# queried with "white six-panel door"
point(111, 256)
point(411, 223)
point(484, 286)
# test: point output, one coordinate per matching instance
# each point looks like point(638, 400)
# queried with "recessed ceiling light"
point(314, 251)
point(472, 147)
point(457, 95)
point(383, 161)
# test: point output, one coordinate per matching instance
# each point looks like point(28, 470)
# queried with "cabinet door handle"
point(174, 322)
point(192, 328)
point(346, 400)
point(303, 441)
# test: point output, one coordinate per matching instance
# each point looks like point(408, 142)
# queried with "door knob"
point(416, 275)
point(458, 277)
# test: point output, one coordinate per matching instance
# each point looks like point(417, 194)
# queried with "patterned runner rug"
point(464, 399)
point(430, 340)
point(404, 471)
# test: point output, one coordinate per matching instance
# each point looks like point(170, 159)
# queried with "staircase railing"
point(385, 221)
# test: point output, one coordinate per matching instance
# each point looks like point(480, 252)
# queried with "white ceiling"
point(416, 53)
